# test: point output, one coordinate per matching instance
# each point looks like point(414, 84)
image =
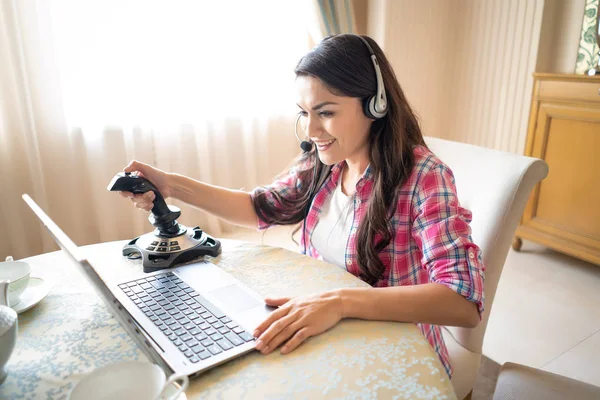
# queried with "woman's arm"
point(441, 231)
point(430, 303)
point(233, 206)
point(302, 317)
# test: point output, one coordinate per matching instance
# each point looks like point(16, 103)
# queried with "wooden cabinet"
point(563, 211)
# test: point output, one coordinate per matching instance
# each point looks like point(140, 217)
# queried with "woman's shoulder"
point(430, 178)
point(427, 164)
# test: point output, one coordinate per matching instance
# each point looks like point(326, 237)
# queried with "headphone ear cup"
point(368, 105)
point(370, 110)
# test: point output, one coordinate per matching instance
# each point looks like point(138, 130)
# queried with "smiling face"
point(336, 124)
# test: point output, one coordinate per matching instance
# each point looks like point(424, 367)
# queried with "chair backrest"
point(495, 187)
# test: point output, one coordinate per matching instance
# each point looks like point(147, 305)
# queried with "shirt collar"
point(337, 169)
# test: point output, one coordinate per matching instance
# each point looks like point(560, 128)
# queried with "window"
point(133, 62)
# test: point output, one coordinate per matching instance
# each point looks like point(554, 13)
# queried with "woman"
point(372, 199)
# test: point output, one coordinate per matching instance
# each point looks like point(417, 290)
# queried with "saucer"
point(33, 294)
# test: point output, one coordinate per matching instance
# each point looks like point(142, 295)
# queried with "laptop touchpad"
point(234, 298)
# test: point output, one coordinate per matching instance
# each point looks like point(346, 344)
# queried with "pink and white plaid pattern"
point(432, 240)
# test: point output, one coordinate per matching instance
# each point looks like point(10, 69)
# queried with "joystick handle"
point(163, 217)
point(130, 182)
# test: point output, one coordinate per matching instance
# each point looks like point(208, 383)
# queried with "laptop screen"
point(59, 236)
point(69, 247)
point(120, 313)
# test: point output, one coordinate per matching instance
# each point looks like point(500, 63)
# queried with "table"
point(71, 333)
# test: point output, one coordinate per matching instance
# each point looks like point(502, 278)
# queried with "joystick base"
point(160, 252)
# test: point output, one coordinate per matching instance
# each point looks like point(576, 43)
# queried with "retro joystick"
point(171, 242)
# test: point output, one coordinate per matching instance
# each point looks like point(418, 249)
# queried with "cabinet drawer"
point(570, 91)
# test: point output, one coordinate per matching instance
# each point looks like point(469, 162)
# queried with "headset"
point(374, 107)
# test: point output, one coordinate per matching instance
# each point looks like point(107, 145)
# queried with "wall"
point(560, 34)
point(361, 8)
point(497, 46)
point(416, 39)
point(466, 66)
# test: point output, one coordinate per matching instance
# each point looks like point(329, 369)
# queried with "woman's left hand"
point(296, 320)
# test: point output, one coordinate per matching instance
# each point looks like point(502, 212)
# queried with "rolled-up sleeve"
point(442, 232)
point(285, 187)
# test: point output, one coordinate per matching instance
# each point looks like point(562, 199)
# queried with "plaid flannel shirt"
point(432, 241)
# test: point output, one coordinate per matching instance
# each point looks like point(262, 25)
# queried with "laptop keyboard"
point(198, 328)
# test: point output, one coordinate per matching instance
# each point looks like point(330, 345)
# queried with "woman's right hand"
point(159, 178)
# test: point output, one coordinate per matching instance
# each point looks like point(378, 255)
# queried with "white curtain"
point(200, 88)
point(331, 17)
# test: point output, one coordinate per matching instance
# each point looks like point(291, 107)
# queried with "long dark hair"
point(343, 64)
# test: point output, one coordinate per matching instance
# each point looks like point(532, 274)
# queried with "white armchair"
point(495, 186)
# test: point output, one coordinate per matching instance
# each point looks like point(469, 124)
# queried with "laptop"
point(186, 319)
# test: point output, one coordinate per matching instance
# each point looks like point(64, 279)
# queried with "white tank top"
point(332, 231)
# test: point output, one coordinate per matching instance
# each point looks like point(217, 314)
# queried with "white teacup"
point(129, 380)
point(18, 273)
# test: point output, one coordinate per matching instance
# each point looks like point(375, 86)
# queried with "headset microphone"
point(305, 145)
